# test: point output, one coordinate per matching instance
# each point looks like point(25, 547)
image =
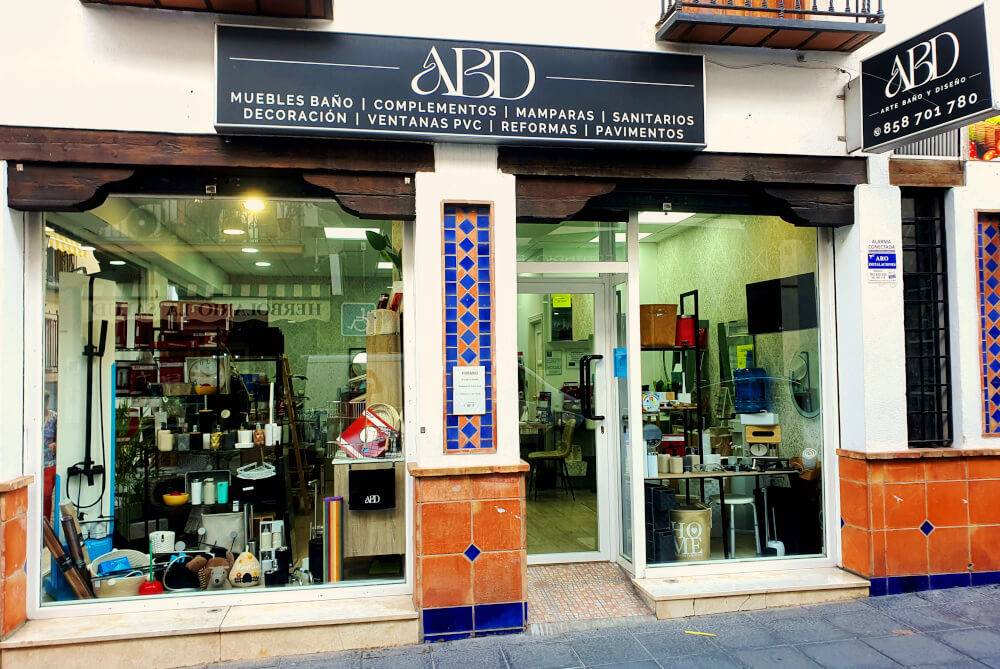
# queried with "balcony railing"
point(816, 25)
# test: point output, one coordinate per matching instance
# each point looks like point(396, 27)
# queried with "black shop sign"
point(928, 84)
point(296, 82)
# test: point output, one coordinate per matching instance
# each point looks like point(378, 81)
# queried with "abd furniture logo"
point(468, 72)
point(924, 64)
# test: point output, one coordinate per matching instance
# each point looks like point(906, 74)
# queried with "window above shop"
point(296, 9)
point(803, 25)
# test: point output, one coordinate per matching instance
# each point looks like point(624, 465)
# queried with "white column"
point(463, 174)
point(12, 296)
point(870, 338)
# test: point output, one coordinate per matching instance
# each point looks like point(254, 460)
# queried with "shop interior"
point(223, 396)
point(730, 386)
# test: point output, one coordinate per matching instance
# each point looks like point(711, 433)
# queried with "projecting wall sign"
point(272, 81)
point(928, 84)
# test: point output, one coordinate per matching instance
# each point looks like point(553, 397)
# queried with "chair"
point(733, 501)
point(558, 455)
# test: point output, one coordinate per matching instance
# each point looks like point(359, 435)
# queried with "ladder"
point(293, 430)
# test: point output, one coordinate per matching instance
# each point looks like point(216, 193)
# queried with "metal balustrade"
point(861, 11)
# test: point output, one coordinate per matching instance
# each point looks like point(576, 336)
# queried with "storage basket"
point(126, 585)
point(692, 527)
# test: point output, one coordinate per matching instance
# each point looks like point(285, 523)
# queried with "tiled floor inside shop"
point(942, 628)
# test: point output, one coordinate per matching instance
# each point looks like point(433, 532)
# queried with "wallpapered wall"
point(718, 260)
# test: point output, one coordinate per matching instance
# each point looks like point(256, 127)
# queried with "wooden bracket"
point(548, 198)
point(63, 187)
point(369, 195)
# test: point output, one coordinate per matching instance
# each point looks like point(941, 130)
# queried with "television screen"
point(782, 305)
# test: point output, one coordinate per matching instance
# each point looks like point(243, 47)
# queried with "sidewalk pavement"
point(943, 628)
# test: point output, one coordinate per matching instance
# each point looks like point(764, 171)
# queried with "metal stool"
point(733, 501)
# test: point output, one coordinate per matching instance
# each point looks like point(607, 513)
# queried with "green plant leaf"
point(377, 240)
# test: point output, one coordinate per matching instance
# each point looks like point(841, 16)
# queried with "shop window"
point(223, 393)
point(984, 140)
point(732, 411)
point(572, 241)
point(925, 304)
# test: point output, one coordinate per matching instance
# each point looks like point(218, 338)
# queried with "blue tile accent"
point(946, 581)
point(927, 528)
point(898, 585)
point(985, 578)
point(472, 552)
point(516, 630)
point(879, 587)
point(449, 619)
point(499, 616)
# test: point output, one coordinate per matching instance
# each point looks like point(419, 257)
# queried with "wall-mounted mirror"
point(803, 383)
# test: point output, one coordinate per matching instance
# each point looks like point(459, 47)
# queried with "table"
point(540, 428)
point(720, 477)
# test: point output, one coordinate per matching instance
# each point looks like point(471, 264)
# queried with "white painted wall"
point(88, 66)
point(464, 174)
point(12, 247)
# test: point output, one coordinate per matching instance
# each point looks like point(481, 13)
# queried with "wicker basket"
point(120, 586)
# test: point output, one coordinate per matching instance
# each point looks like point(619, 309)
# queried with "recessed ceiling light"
point(254, 204)
point(620, 237)
point(233, 231)
point(249, 249)
point(262, 263)
point(87, 247)
point(667, 217)
point(384, 265)
point(348, 234)
point(116, 262)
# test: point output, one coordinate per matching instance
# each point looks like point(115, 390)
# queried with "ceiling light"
point(87, 248)
point(249, 249)
point(262, 263)
point(116, 262)
point(254, 204)
point(348, 234)
point(384, 265)
point(667, 217)
point(620, 237)
point(233, 231)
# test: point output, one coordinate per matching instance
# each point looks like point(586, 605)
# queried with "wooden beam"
point(369, 195)
point(814, 207)
point(39, 187)
point(926, 173)
point(716, 167)
point(547, 198)
point(110, 147)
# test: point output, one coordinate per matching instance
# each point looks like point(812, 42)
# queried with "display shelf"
point(362, 461)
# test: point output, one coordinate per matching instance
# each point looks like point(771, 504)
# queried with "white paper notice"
point(469, 391)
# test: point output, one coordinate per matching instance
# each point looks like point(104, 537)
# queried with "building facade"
point(325, 324)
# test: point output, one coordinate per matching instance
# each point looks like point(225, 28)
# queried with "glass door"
point(563, 382)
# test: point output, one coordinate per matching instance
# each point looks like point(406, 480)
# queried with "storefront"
point(338, 372)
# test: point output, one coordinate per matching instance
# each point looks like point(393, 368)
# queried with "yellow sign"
point(561, 300)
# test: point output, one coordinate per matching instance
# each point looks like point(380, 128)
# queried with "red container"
point(685, 331)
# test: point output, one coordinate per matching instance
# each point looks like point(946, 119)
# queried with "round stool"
point(733, 501)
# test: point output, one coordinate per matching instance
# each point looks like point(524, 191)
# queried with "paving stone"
point(982, 613)
point(747, 636)
point(916, 649)
point(480, 658)
point(676, 644)
point(716, 660)
point(867, 623)
point(890, 602)
point(836, 608)
point(786, 657)
point(541, 656)
point(956, 595)
point(807, 630)
point(637, 664)
point(929, 618)
point(976, 643)
point(605, 650)
point(851, 654)
point(348, 660)
point(399, 661)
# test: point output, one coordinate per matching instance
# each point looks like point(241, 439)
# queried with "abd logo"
point(468, 72)
point(371, 500)
point(923, 64)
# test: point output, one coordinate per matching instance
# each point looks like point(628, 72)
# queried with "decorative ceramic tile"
point(988, 271)
point(468, 320)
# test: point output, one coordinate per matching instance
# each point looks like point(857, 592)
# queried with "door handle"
point(587, 387)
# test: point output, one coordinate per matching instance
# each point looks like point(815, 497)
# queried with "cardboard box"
point(657, 325)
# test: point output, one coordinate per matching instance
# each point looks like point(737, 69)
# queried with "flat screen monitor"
point(782, 305)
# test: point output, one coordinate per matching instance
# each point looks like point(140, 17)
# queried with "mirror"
point(803, 384)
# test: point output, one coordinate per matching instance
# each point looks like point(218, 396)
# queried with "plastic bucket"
point(692, 527)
